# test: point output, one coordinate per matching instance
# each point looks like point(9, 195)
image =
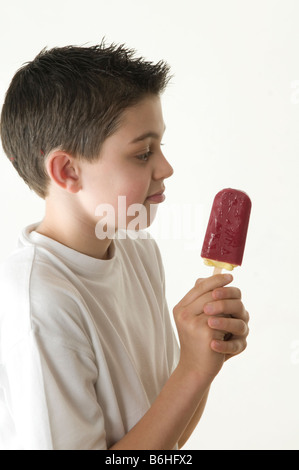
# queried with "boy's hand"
point(234, 325)
point(204, 318)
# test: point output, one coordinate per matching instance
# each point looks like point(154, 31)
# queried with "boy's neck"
point(71, 229)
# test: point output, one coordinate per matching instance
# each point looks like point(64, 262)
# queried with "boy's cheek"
point(134, 194)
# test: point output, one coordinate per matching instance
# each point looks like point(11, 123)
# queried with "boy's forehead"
point(142, 121)
point(147, 135)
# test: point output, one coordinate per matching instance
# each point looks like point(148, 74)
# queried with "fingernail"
point(228, 277)
point(217, 344)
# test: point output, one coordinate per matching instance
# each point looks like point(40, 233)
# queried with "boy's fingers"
point(229, 348)
point(232, 307)
point(196, 307)
point(226, 293)
point(203, 286)
point(230, 325)
point(213, 282)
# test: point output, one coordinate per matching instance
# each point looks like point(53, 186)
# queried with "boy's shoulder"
point(39, 266)
point(15, 268)
point(25, 264)
point(40, 290)
point(38, 297)
point(38, 269)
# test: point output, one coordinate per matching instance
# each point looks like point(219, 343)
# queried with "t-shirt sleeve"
point(53, 400)
point(48, 370)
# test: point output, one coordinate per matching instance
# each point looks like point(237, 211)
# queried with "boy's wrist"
point(193, 378)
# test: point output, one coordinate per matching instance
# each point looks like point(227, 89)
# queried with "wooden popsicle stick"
point(217, 271)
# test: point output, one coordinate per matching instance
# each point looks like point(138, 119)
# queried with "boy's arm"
point(176, 411)
point(232, 348)
point(194, 420)
point(166, 421)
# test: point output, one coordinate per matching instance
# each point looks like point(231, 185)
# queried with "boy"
point(88, 356)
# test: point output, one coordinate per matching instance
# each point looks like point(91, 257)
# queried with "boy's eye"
point(145, 156)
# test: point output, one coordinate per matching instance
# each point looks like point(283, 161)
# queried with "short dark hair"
point(72, 98)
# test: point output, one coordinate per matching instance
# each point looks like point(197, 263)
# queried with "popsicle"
point(226, 233)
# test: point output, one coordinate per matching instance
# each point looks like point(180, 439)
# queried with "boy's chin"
point(137, 218)
point(142, 220)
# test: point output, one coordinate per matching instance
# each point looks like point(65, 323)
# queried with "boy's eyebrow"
point(146, 135)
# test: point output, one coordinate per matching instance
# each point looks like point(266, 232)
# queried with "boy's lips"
point(157, 197)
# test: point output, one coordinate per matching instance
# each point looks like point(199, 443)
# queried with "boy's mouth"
point(157, 197)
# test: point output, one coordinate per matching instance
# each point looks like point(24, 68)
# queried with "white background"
point(232, 116)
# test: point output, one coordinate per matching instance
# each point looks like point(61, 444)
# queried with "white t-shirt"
point(85, 344)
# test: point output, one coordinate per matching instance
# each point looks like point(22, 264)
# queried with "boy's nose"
point(163, 169)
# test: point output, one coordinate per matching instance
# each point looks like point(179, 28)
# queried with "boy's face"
point(131, 163)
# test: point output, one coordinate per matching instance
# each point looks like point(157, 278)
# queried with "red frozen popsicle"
point(225, 238)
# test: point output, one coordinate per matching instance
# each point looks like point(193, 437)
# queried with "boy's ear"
point(63, 170)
